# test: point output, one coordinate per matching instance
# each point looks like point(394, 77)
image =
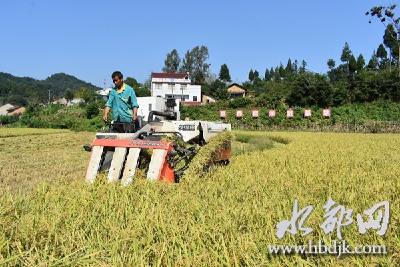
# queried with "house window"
point(195, 98)
point(150, 106)
point(177, 96)
point(157, 86)
point(171, 86)
point(183, 87)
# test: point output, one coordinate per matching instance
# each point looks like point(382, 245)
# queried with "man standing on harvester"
point(123, 104)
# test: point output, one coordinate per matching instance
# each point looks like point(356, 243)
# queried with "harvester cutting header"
point(160, 144)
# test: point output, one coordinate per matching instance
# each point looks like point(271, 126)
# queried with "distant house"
point(65, 102)
point(17, 112)
point(11, 110)
point(6, 109)
point(207, 99)
point(176, 86)
point(235, 90)
point(75, 101)
point(104, 92)
point(60, 101)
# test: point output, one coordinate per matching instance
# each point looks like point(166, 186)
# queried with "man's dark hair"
point(117, 74)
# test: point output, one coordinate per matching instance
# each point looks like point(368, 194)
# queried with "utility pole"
point(49, 96)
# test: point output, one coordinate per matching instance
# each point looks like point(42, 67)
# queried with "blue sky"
point(91, 39)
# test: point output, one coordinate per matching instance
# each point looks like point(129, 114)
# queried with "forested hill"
point(24, 90)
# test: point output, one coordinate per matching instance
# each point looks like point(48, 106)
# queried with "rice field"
point(49, 216)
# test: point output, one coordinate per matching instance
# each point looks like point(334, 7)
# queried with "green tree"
point(277, 75)
point(195, 62)
point(172, 62)
point(92, 110)
point(187, 63)
point(271, 73)
point(303, 66)
point(321, 92)
point(256, 75)
point(267, 76)
point(352, 64)
point(296, 66)
point(132, 82)
point(386, 15)
point(140, 89)
point(224, 73)
point(360, 63)
point(346, 55)
point(373, 62)
point(289, 67)
point(251, 75)
point(68, 95)
point(300, 91)
point(218, 89)
point(282, 71)
point(331, 63)
point(381, 54)
point(86, 94)
point(390, 39)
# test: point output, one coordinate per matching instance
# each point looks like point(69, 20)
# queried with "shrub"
point(92, 110)
point(8, 119)
point(239, 102)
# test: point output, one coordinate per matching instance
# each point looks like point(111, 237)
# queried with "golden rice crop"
point(228, 218)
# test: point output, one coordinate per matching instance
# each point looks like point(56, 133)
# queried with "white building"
point(104, 92)
point(7, 108)
point(175, 85)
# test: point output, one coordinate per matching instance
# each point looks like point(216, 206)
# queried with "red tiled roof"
point(168, 75)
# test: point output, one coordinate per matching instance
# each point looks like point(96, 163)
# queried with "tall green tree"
point(277, 75)
point(289, 67)
point(331, 63)
point(267, 75)
point(346, 55)
point(251, 75)
point(360, 63)
point(387, 16)
point(296, 66)
point(373, 63)
point(86, 94)
point(195, 62)
point(390, 39)
point(140, 89)
point(303, 66)
point(381, 54)
point(68, 95)
point(187, 63)
point(224, 73)
point(172, 62)
point(256, 75)
point(282, 71)
point(352, 64)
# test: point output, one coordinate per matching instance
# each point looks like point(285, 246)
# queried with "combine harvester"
point(171, 142)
